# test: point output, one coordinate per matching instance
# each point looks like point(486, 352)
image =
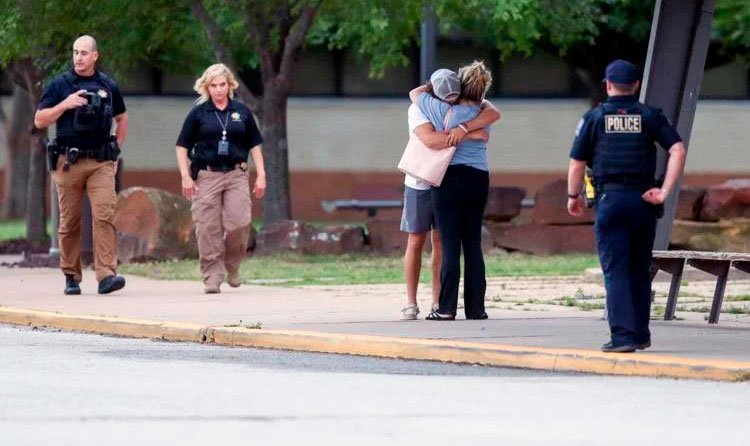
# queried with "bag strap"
point(447, 118)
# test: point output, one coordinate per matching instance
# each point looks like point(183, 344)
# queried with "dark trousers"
point(625, 229)
point(459, 207)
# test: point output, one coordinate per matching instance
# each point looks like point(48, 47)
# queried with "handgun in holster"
point(109, 151)
point(53, 153)
point(589, 188)
point(195, 163)
point(71, 157)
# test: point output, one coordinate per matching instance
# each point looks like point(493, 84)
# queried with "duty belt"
point(227, 168)
point(607, 187)
point(73, 154)
point(82, 153)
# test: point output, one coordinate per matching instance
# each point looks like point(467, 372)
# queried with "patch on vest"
point(622, 123)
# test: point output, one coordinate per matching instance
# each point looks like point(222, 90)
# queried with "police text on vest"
point(622, 123)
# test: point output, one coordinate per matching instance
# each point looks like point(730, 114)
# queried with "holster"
point(53, 154)
point(109, 151)
point(194, 168)
point(196, 163)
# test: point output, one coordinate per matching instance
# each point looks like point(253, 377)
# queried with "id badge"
point(223, 147)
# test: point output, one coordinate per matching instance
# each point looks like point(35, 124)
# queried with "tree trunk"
point(276, 203)
point(18, 141)
point(36, 223)
point(28, 77)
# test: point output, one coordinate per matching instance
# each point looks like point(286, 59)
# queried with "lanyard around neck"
point(223, 124)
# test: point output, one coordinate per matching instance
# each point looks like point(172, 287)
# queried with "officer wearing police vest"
point(617, 140)
point(84, 102)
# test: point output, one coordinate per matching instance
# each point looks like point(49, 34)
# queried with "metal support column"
point(680, 34)
point(428, 47)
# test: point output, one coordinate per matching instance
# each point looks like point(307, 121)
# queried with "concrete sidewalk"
point(364, 320)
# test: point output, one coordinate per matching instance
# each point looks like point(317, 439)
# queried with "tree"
point(39, 37)
point(381, 30)
point(26, 54)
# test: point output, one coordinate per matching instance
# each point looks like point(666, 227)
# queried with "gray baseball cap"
point(445, 83)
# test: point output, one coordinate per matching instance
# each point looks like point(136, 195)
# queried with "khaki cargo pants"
point(222, 214)
point(97, 178)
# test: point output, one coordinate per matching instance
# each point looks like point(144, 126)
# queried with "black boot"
point(71, 286)
point(111, 283)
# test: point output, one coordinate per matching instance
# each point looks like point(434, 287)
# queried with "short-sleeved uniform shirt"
point(202, 131)
point(60, 88)
point(655, 124)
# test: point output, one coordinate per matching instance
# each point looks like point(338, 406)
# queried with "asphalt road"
point(75, 389)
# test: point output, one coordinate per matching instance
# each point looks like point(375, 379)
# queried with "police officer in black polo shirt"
point(84, 102)
point(212, 151)
point(616, 139)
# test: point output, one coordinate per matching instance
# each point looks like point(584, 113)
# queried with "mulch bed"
point(35, 257)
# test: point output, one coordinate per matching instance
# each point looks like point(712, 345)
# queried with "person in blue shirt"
point(460, 199)
point(418, 217)
point(617, 140)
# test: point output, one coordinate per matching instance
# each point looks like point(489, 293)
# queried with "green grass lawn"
point(294, 270)
point(14, 229)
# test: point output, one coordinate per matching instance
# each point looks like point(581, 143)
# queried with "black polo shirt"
point(60, 88)
point(202, 131)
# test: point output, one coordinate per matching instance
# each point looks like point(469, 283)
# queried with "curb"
point(550, 359)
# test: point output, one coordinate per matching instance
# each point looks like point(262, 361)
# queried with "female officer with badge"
point(212, 151)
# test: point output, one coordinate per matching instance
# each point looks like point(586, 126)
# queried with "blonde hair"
point(215, 70)
point(475, 81)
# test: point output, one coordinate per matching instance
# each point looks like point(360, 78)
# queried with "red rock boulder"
point(153, 224)
point(504, 203)
point(544, 239)
point(727, 200)
point(551, 206)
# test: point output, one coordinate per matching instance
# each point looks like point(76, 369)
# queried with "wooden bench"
point(371, 206)
point(714, 263)
point(369, 198)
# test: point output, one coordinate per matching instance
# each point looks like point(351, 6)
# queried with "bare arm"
point(256, 154)
point(575, 181)
point(676, 163)
point(486, 117)
point(183, 163)
point(122, 128)
point(439, 140)
point(48, 116)
point(414, 94)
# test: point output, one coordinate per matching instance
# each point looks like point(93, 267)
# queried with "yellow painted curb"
point(563, 360)
point(552, 359)
point(132, 328)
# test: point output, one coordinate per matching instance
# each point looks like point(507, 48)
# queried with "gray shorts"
point(418, 216)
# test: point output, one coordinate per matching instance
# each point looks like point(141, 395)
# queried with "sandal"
point(435, 316)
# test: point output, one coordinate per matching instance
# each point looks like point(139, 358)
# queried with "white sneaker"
point(409, 312)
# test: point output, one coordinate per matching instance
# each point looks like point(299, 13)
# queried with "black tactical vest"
point(95, 118)
point(624, 153)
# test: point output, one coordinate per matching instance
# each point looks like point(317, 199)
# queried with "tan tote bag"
point(424, 163)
